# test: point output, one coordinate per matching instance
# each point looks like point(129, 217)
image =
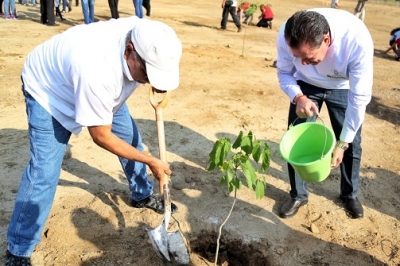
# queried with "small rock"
point(280, 251)
point(314, 228)
point(188, 179)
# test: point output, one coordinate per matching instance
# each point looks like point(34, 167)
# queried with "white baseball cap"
point(158, 45)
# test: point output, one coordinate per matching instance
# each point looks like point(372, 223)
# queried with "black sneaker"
point(155, 203)
point(12, 260)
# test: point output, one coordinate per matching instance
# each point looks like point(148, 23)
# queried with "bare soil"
point(227, 85)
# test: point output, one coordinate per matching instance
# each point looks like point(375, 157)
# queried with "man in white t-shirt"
point(82, 78)
point(326, 56)
point(229, 7)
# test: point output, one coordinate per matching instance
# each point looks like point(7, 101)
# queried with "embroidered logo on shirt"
point(336, 75)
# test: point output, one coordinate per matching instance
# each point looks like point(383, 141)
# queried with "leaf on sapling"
point(238, 140)
point(220, 151)
point(260, 189)
point(256, 152)
point(246, 145)
point(266, 158)
point(248, 171)
point(237, 183)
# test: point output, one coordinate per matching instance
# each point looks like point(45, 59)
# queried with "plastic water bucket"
point(308, 148)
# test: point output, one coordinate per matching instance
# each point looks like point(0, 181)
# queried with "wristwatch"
point(342, 145)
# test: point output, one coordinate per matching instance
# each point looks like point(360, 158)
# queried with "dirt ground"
point(227, 85)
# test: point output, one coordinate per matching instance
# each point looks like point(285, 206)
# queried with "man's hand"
point(161, 172)
point(305, 107)
point(337, 157)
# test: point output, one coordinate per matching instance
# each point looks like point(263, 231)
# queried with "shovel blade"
point(159, 240)
point(177, 249)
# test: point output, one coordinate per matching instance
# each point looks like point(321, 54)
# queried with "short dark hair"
point(306, 27)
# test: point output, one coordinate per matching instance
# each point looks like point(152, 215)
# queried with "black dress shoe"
point(290, 207)
point(353, 207)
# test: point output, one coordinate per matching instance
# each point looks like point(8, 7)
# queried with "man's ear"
point(128, 49)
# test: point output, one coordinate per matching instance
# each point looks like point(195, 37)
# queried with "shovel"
point(170, 246)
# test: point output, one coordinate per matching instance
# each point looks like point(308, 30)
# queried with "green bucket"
point(308, 148)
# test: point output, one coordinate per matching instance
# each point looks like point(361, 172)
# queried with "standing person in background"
point(359, 11)
point(229, 6)
point(113, 4)
point(58, 11)
point(325, 56)
point(138, 8)
point(1, 8)
point(146, 5)
point(266, 16)
point(10, 10)
point(47, 12)
point(88, 11)
point(335, 4)
point(65, 5)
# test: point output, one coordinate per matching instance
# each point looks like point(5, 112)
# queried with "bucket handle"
point(326, 134)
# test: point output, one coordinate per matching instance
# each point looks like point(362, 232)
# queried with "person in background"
point(335, 4)
point(65, 5)
point(138, 8)
point(229, 7)
point(47, 12)
point(88, 11)
point(58, 11)
point(91, 93)
point(33, 3)
point(1, 8)
point(266, 17)
point(394, 43)
point(359, 11)
point(10, 10)
point(326, 56)
point(113, 4)
point(146, 5)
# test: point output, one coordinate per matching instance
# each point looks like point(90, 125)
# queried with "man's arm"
point(103, 137)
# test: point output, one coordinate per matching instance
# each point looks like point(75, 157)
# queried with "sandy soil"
point(226, 86)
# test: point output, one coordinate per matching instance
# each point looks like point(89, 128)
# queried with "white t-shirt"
point(348, 64)
point(333, 3)
point(80, 76)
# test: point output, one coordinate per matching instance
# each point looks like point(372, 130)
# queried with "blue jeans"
point(138, 8)
point(33, 2)
point(88, 11)
point(65, 5)
point(336, 103)
point(48, 141)
point(9, 4)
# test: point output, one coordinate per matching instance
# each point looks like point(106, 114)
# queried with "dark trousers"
point(232, 11)
point(146, 5)
point(265, 23)
point(114, 8)
point(47, 11)
point(336, 103)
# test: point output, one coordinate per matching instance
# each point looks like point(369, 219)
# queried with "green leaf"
point(256, 152)
point(246, 145)
point(266, 158)
point(238, 140)
point(229, 172)
point(223, 180)
point(260, 189)
point(248, 172)
point(237, 183)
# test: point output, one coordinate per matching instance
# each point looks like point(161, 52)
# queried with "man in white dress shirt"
point(326, 56)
